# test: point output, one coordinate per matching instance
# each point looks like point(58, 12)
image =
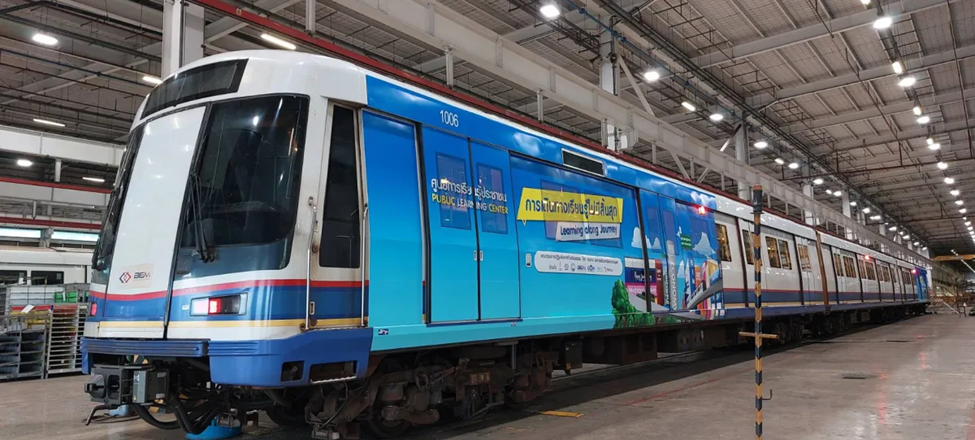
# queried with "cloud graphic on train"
point(703, 246)
point(650, 245)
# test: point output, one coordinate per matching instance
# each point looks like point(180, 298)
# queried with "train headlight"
point(217, 305)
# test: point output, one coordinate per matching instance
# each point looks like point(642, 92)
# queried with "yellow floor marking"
point(560, 413)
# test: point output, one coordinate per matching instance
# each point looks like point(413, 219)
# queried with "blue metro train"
point(289, 232)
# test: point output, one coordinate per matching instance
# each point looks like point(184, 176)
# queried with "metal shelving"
point(64, 336)
point(23, 345)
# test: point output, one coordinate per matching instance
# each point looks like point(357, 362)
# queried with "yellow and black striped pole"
point(757, 334)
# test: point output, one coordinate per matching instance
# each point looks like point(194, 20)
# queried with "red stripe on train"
point(223, 286)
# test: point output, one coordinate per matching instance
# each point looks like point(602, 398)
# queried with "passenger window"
point(489, 179)
point(803, 252)
point(863, 270)
point(453, 181)
point(773, 252)
point(13, 277)
point(45, 277)
point(838, 265)
point(785, 254)
point(746, 240)
point(871, 271)
point(340, 219)
point(724, 251)
point(850, 267)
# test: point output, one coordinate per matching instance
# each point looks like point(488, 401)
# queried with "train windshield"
point(244, 189)
point(101, 257)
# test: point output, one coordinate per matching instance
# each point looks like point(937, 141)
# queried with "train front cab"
point(233, 251)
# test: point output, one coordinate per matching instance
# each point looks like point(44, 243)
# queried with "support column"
point(741, 153)
point(807, 189)
point(609, 76)
point(846, 211)
point(57, 170)
point(182, 35)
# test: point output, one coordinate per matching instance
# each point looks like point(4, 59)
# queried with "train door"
point(673, 248)
point(337, 293)
point(497, 242)
point(812, 282)
point(659, 244)
point(454, 254)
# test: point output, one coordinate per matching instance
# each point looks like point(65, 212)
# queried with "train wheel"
point(293, 416)
point(383, 429)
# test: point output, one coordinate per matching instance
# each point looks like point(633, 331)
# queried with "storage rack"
point(64, 338)
point(22, 345)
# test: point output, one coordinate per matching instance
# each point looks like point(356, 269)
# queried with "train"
point(291, 233)
point(23, 265)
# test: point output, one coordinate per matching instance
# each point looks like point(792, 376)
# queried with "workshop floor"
point(909, 380)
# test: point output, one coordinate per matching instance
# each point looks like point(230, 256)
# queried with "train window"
point(746, 240)
point(105, 247)
point(906, 277)
point(724, 251)
point(340, 217)
point(850, 266)
point(803, 252)
point(871, 271)
point(885, 272)
point(46, 277)
point(785, 254)
point(453, 170)
point(13, 277)
point(838, 265)
point(773, 252)
point(491, 179)
point(863, 270)
point(249, 172)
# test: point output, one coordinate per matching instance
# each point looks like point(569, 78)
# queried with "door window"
point(772, 246)
point(785, 254)
point(340, 245)
point(724, 251)
point(838, 265)
point(746, 240)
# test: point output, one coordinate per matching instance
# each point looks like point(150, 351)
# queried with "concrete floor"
point(910, 380)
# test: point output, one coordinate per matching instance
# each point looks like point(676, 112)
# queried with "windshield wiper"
point(203, 249)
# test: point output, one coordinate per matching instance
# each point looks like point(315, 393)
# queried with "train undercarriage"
point(402, 390)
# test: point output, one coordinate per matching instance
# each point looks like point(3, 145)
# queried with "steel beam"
point(812, 32)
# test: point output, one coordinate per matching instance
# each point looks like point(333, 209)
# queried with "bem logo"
point(125, 277)
point(140, 275)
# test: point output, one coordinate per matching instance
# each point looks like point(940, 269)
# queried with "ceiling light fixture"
point(942, 166)
point(853, 202)
point(779, 161)
point(278, 42)
point(898, 67)
point(47, 122)
point(934, 146)
point(837, 193)
point(716, 117)
point(959, 202)
point(883, 23)
point(930, 141)
point(923, 119)
point(44, 39)
point(865, 2)
point(94, 179)
point(916, 110)
point(793, 166)
point(651, 75)
point(24, 163)
point(690, 107)
point(829, 191)
point(866, 210)
point(550, 11)
point(151, 79)
point(963, 210)
point(818, 181)
point(761, 145)
point(950, 180)
point(955, 192)
point(892, 228)
point(875, 217)
point(907, 81)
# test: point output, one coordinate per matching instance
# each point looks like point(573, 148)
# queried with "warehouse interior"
point(855, 116)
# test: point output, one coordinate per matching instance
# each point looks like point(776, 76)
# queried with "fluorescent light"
point(923, 119)
point(898, 67)
point(94, 179)
point(942, 166)
point(955, 192)
point(20, 233)
point(761, 144)
point(865, 2)
point(892, 228)
point(917, 243)
point(818, 181)
point(934, 146)
point(44, 39)
point(907, 81)
point(550, 11)
point(930, 141)
point(853, 202)
point(950, 180)
point(779, 161)
point(793, 166)
point(278, 42)
point(24, 163)
point(651, 75)
point(716, 117)
point(963, 210)
point(74, 236)
point(875, 217)
point(688, 106)
point(883, 23)
point(959, 202)
point(46, 122)
point(866, 210)
point(829, 191)
point(837, 193)
point(151, 79)
point(916, 110)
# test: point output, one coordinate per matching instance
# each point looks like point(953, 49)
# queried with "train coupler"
point(117, 385)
